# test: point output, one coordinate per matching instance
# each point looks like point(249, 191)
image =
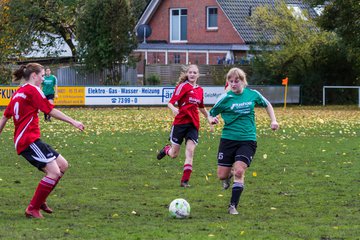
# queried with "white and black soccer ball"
point(179, 208)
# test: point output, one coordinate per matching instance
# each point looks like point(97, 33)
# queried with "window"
point(212, 18)
point(176, 58)
point(178, 25)
point(156, 58)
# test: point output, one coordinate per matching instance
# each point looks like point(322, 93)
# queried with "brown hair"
point(238, 73)
point(183, 75)
point(26, 70)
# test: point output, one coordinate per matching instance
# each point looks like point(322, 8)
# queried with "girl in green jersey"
point(238, 139)
point(49, 87)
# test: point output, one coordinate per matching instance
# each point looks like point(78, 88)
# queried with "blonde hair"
point(237, 73)
point(183, 75)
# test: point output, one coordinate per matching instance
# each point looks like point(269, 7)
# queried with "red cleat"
point(33, 213)
point(46, 208)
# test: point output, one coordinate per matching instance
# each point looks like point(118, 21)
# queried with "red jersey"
point(189, 99)
point(24, 107)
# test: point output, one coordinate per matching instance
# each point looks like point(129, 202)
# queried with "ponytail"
point(25, 71)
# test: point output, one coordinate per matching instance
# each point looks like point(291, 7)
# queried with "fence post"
point(144, 76)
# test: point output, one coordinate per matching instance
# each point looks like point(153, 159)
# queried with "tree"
point(342, 17)
point(306, 54)
point(30, 22)
point(6, 48)
point(106, 37)
point(137, 7)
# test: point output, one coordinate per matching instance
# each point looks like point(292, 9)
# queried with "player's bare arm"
point(3, 121)
point(63, 117)
point(270, 110)
point(208, 117)
point(174, 109)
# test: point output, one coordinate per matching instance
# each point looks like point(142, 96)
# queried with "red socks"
point(167, 149)
point(42, 191)
point(187, 173)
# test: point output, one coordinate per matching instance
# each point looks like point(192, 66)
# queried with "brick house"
point(203, 32)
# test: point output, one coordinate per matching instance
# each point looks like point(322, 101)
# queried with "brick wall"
point(197, 58)
point(196, 23)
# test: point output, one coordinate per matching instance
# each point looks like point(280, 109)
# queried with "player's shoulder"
point(23, 91)
point(26, 88)
point(33, 89)
point(184, 86)
point(252, 91)
point(223, 97)
point(29, 87)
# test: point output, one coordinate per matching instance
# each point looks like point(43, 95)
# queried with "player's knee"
point(173, 153)
point(222, 175)
point(62, 163)
point(239, 173)
point(64, 166)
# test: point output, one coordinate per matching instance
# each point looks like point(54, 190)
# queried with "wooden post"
point(285, 82)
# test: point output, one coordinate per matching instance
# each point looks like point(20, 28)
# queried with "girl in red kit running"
point(24, 107)
point(190, 99)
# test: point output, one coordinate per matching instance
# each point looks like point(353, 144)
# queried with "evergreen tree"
point(106, 36)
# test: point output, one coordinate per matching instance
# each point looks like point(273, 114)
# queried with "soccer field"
point(304, 182)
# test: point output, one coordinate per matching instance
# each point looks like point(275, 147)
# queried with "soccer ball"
point(179, 208)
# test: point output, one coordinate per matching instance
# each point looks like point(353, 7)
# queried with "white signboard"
point(140, 95)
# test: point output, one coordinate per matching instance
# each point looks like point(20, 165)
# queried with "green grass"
point(306, 184)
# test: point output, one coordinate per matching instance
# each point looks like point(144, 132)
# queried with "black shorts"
point(50, 96)
point(181, 131)
point(231, 151)
point(39, 154)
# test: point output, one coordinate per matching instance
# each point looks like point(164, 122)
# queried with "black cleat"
point(226, 183)
point(162, 152)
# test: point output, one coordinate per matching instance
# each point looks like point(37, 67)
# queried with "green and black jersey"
point(238, 113)
point(49, 84)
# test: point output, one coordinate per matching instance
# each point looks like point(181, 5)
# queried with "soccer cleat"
point(226, 183)
point(33, 213)
point(46, 208)
point(185, 184)
point(232, 210)
point(162, 152)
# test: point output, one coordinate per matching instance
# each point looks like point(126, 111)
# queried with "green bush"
point(5, 75)
point(153, 79)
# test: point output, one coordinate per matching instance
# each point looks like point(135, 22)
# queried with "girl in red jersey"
point(24, 107)
point(190, 99)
